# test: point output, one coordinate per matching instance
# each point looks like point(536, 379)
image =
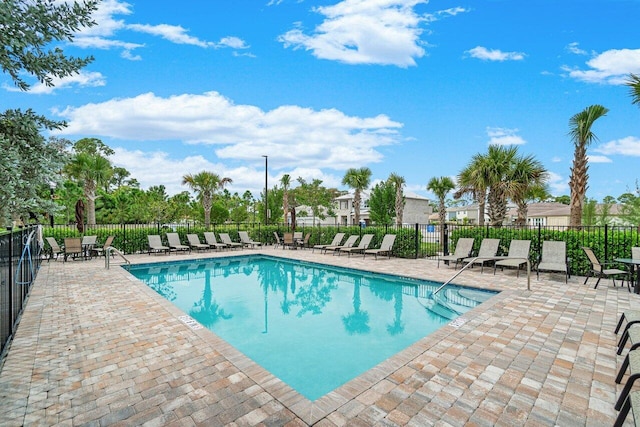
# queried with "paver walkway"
point(96, 347)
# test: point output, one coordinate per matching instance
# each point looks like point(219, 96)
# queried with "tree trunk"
point(578, 184)
point(497, 207)
point(356, 206)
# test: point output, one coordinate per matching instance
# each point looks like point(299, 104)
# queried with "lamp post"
point(266, 190)
point(52, 189)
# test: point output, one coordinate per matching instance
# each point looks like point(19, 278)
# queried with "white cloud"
point(485, 54)
point(384, 32)
point(82, 79)
point(598, 159)
point(629, 146)
point(573, 48)
point(611, 67)
point(504, 136)
point(292, 136)
point(558, 185)
point(556, 159)
point(102, 35)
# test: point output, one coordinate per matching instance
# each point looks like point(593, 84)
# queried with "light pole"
point(266, 190)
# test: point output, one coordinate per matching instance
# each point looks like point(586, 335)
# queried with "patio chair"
point(362, 246)
point(385, 247)
point(464, 246)
point(101, 250)
point(194, 243)
point(247, 241)
point(72, 247)
point(519, 252)
point(288, 241)
point(278, 242)
point(54, 248)
point(488, 250)
point(304, 243)
point(226, 239)
point(210, 238)
point(554, 259)
point(635, 252)
point(88, 243)
point(335, 242)
point(175, 244)
point(600, 269)
point(350, 242)
point(155, 244)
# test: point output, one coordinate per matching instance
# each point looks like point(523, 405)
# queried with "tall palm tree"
point(205, 184)
point(93, 171)
point(398, 183)
point(440, 187)
point(359, 180)
point(500, 161)
point(582, 136)
point(286, 182)
point(528, 176)
point(473, 180)
point(634, 85)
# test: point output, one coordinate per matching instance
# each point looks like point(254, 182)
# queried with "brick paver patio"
point(97, 347)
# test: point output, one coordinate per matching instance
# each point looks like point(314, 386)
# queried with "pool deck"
point(97, 347)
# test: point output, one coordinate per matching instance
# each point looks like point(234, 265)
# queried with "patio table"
point(634, 264)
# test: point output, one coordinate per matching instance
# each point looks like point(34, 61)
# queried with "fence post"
point(417, 242)
point(445, 237)
point(606, 242)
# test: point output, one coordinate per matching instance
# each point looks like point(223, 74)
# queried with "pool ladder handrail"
point(486, 258)
point(107, 255)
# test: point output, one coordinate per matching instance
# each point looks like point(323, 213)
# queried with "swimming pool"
point(313, 326)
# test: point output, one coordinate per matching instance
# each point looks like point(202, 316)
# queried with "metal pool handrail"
point(486, 258)
point(107, 254)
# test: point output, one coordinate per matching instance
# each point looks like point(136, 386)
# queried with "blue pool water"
point(313, 326)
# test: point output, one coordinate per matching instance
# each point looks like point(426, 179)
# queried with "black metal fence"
point(20, 259)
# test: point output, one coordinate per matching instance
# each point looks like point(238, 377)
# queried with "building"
point(416, 210)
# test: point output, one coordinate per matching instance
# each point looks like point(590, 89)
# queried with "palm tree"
point(440, 187)
point(500, 161)
point(286, 182)
point(634, 85)
point(398, 182)
point(528, 176)
point(473, 180)
point(581, 135)
point(93, 171)
point(206, 184)
point(359, 180)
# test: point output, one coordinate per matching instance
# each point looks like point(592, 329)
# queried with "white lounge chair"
point(210, 238)
point(385, 247)
point(350, 242)
point(226, 239)
point(194, 242)
point(246, 240)
point(362, 246)
point(464, 246)
point(488, 250)
point(175, 244)
point(518, 252)
point(335, 242)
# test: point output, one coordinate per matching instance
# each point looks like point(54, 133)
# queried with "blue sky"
point(406, 86)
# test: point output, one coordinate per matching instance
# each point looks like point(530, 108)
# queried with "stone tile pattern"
point(98, 348)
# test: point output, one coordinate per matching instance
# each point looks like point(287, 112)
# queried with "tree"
point(92, 169)
point(28, 164)
point(528, 177)
point(205, 184)
point(314, 195)
point(634, 86)
point(582, 136)
point(398, 183)
point(286, 182)
point(358, 180)
point(564, 199)
point(631, 206)
point(474, 180)
point(589, 208)
point(29, 29)
point(382, 203)
point(440, 187)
